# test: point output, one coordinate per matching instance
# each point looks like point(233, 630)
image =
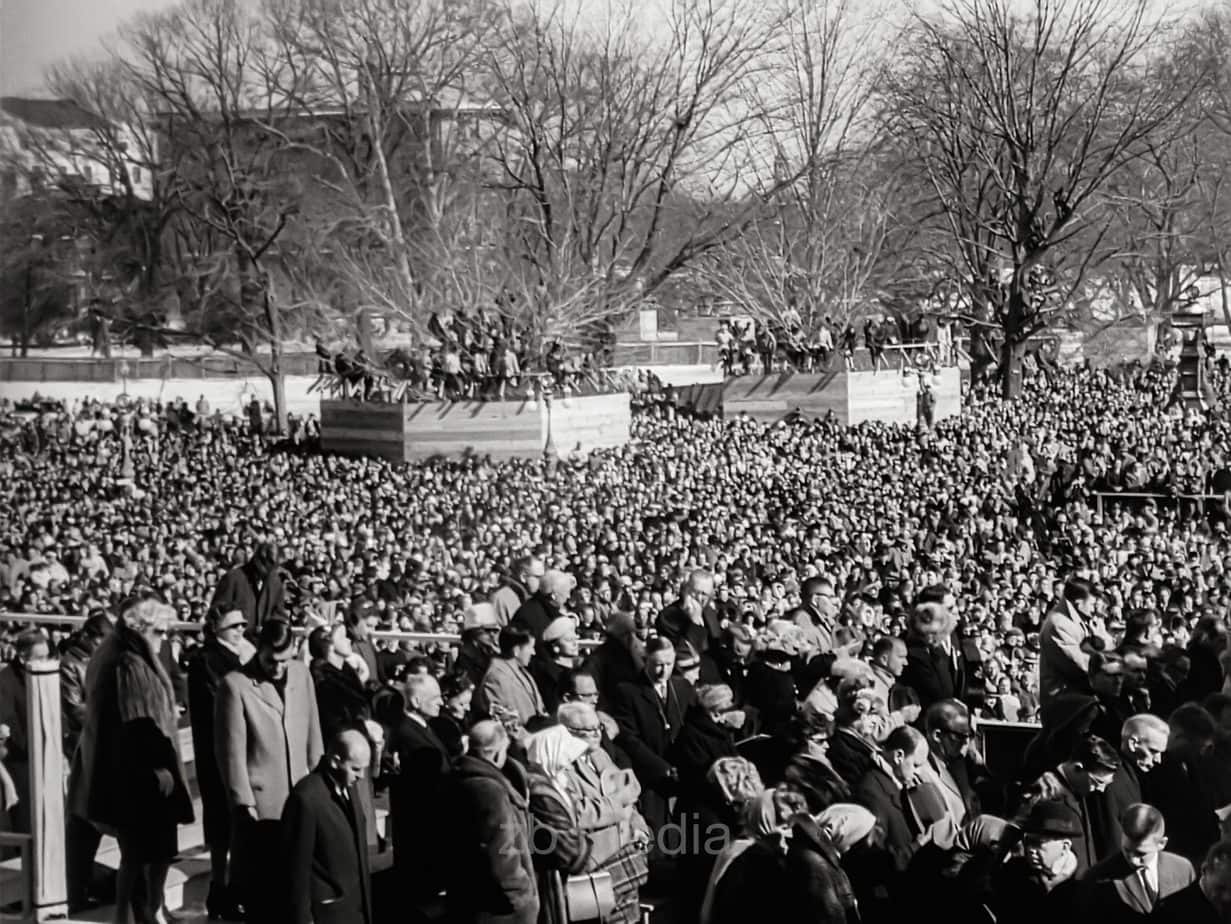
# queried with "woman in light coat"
point(605, 803)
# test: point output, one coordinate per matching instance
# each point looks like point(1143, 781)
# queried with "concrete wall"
point(852, 397)
point(579, 425)
point(356, 428)
point(892, 397)
point(501, 429)
point(773, 397)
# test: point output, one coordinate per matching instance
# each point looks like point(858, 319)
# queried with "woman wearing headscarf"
point(714, 813)
point(956, 866)
point(765, 828)
point(560, 848)
point(817, 888)
point(132, 778)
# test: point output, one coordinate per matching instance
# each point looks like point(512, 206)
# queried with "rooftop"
point(61, 114)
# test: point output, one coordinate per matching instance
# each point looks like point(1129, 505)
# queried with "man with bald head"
point(546, 604)
point(327, 879)
point(487, 841)
point(692, 618)
point(1143, 739)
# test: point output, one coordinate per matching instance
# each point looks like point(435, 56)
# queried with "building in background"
point(49, 142)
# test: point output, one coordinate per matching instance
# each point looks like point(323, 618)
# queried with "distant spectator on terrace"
point(254, 588)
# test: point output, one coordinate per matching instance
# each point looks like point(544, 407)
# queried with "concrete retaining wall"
point(501, 429)
point(852, 397)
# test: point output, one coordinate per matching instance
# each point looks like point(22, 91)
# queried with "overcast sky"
point(36, 33)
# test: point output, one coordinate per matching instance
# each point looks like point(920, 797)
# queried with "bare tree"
point(388, 90)
point(629, 152)
point(203, 67)
point(813, 248)
point(1160, 206)
point(1018, 123)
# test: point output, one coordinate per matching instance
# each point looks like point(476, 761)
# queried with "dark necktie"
point(1151, 892)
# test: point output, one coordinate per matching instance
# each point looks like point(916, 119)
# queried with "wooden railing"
point(189, 628)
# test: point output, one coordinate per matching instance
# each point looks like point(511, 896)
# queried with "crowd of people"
point(474, 355)
point(733, 668)
point(747, 344)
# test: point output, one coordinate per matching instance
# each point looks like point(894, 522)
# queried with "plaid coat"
point(820, 890)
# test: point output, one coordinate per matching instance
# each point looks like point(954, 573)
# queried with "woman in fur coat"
point(132, 778)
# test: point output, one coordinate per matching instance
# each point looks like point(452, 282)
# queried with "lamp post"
point(551, 455)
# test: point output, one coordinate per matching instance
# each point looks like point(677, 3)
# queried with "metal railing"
point(665, 353)
point(93, 369)
point(189, 628)
point(1103, 498)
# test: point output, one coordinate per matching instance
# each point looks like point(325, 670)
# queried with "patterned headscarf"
point(736, 778)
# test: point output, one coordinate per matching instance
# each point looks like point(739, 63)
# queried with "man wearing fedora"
point(1038, 884)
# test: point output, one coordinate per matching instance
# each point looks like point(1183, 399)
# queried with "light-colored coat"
point(265, 745)
point(510, 686)
point(605, 801)
point(1063, 665)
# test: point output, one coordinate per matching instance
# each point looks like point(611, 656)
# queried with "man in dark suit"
point(1177, 789)
point(1143, 739)
point(1132, 882)
point(951, 643)
point(327, 878)
point(544, 606)
point(692, 618)
point(416, 791)
point(882, 790)
point(1206, 901)
point(650, 713)
point(254, 588)
point(618, 660)
point(930, 668)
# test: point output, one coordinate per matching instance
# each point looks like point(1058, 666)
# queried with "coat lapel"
point(1133, 892)
point(265, 691)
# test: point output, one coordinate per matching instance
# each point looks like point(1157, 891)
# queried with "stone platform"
point(501, 429)
point(852, 398)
